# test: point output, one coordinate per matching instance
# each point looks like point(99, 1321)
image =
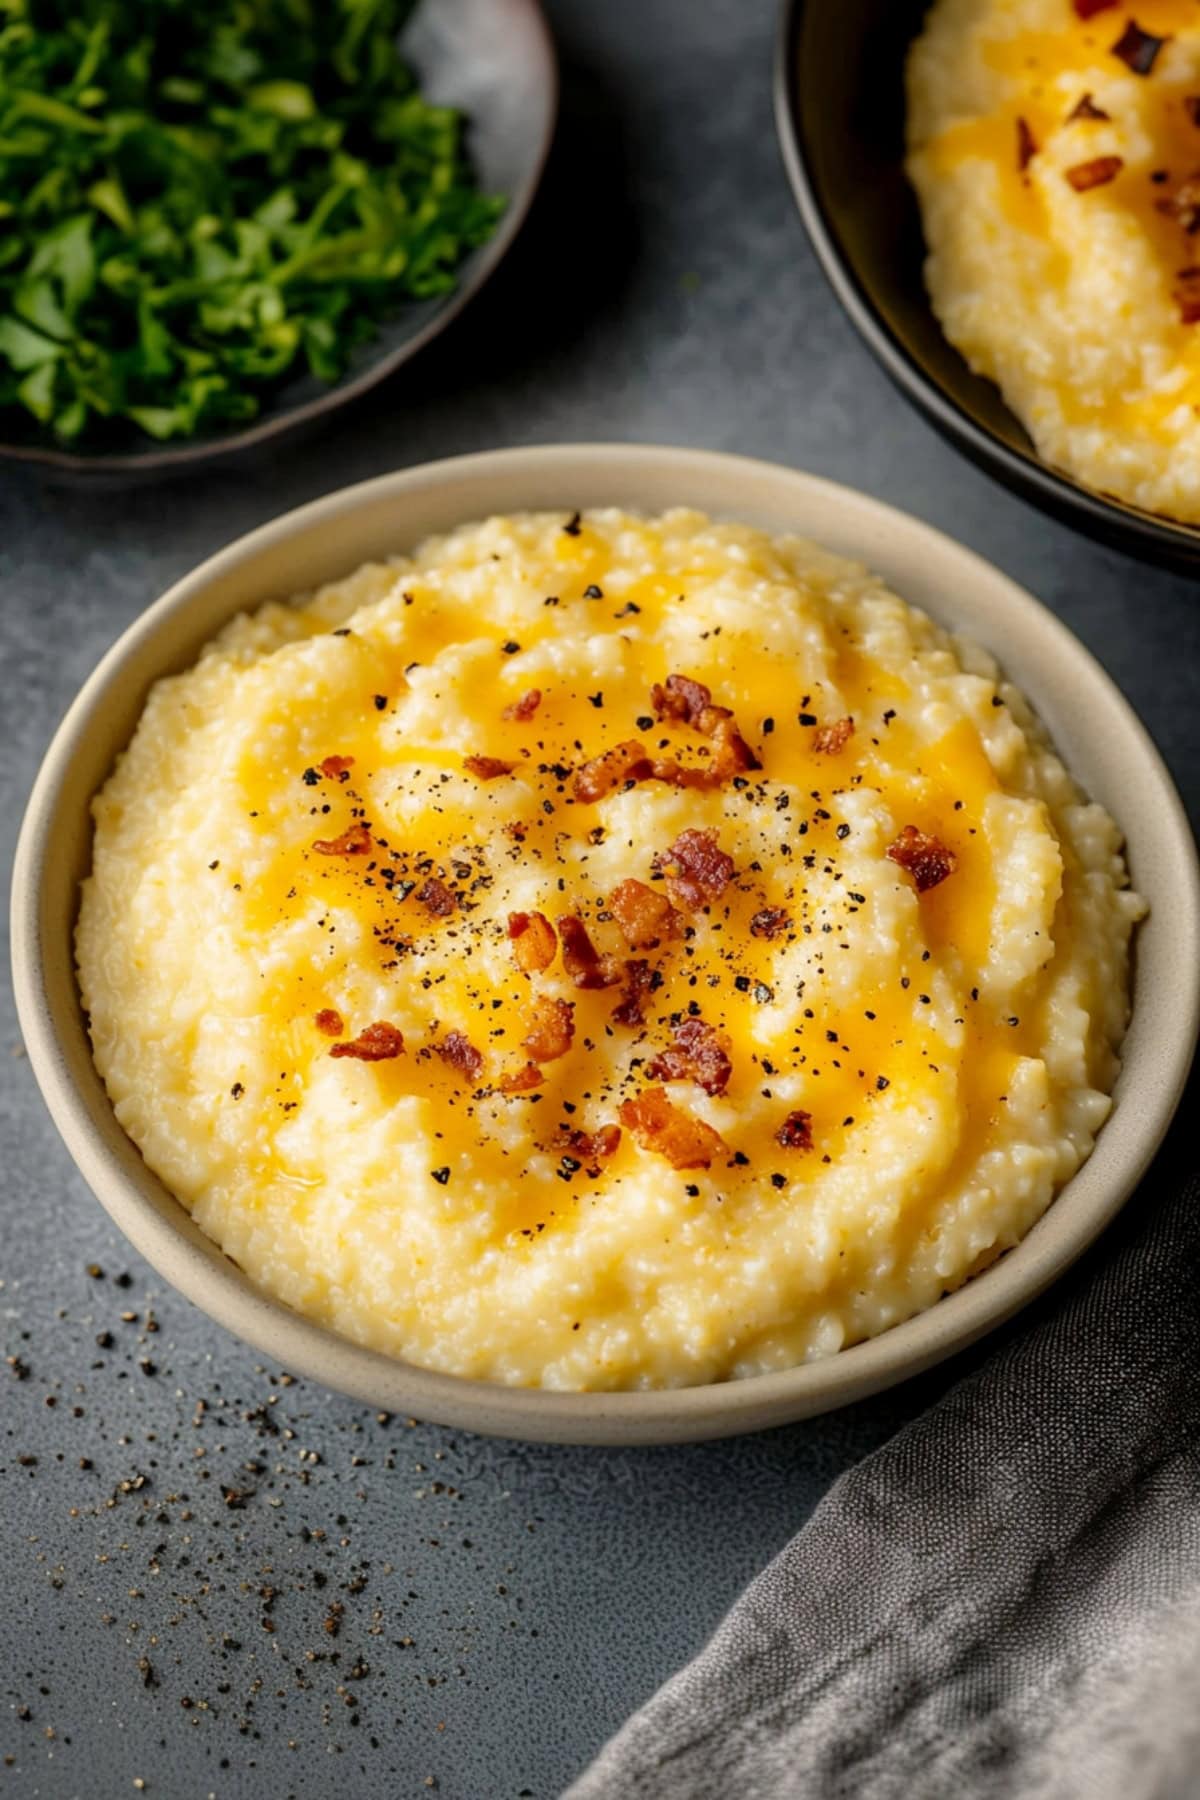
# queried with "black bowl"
point(494, 60)
point(839, 108)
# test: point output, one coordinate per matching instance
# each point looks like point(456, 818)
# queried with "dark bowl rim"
point(482, 265)
point(1163, 539)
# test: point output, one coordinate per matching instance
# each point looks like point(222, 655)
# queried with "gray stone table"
point(221, 1582)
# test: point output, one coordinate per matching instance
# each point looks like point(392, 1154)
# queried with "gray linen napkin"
point(1004, 1600)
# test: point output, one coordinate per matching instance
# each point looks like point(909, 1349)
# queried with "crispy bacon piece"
point(375, 1043)
point(522, 1081)
point(688, 702)
point(796, 1131)
point(1138, 49)
point(770, 922)
point(437, 897)
point(457, 1049)
point(681, 698)
point(1183, 204)
point(1085, 108)
point(487, 768)
point(827, 740)
point(581, 960)
point(525, 707)
point(639, 985)
point(626, 761)
point(691, 703)
point(354, 841)
point(336, 768)
point(1087, 9)
point(551, 1029)
point(926, 859)
point(657, 1124)
point(733, 755)
point(1096, 173)
point(329, 1021)
point(1026, 145)
point(700, 1053)
point(673, 773)
point(588, 1146)
point(533, 941)
point(702, 869)
point(1187, 295)
point(645, 916)
point(1191, 106)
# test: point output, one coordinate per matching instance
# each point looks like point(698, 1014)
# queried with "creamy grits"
point(1056, 158)
point(604, 952)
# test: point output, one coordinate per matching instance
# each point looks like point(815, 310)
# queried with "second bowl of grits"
point(1001, 193)
point(593, 955)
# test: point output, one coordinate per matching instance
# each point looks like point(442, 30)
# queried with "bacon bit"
point(626, 761)
point(588, 1146)
point(336, 767)
point(702, 869)
point(645, 917)
point(533, 941)
point(551, 1029)
point(639, 984)
point(1087, 9)
point(657, 1124)
point(354, 841)
point(796, 1131)
point(1187, 295)
point(457, 1049)
point(1096, 173)
point(1026, 146)
point(487, 767)
point(673, 773)
point(522, 1081)
point(733, 754)
point(700, 1053)
point(926, 859)
point(330, 1022)
point(827, 740)
point(691, 703)
point(375, 1043)
point(581, 960)
point(435, 895)
point(1183, 204)
point(1191, 106)
point(681, 698)
point(1085, 108)
point(771, 922)
point(525, 707)
point(1138, 49)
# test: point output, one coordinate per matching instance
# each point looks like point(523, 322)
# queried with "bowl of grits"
point(587, 943)
point(999, 196)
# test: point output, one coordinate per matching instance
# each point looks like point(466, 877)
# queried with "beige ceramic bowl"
point(1096, 732)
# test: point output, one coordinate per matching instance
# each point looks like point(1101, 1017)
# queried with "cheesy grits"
point(604, 952)
point(1055, 149)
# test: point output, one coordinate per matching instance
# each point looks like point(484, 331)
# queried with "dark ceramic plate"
point(494, 59)
point(839, 106)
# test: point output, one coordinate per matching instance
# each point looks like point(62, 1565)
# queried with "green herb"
point(199, 198)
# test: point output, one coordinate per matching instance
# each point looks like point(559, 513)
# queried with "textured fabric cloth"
point(1004, 1600)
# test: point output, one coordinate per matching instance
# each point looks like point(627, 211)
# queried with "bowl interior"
point(1094, 727)
point(494, 61)
point(840, 95)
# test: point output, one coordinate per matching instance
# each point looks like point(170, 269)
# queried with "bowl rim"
point(1107, 517)
point(159, 1227)
point(473, 273)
